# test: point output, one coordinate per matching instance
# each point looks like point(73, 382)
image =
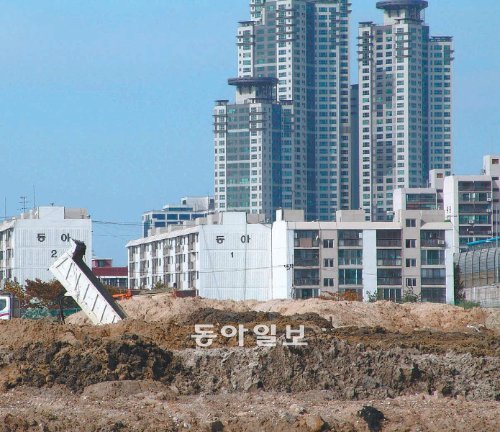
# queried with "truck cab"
point(9, 306)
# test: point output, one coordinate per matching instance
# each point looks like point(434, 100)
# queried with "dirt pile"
point(351, 363)
point(360, 359)
point(79, 365)
point(391, 316)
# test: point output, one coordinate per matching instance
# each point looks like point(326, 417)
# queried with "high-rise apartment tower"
point(292, 149)
point(405, 99)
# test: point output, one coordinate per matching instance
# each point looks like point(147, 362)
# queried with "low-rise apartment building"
point(226, 255)
point(32, 241)
point(235, 256)
point(472, 204)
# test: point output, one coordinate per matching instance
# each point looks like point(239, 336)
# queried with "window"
point(411, 244)
point(350, 277)
point(411, 223)
point(432, 257)
point(411, 262)
point(328, 282)
point(392, 294)
point(350, 238)
point(411, 282)
point(328, 243)
point(328, 262)
point(350, 257)
point(433, 276)
point(389, 276)
point(435, 295)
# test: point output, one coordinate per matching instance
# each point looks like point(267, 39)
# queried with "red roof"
point(110, 271)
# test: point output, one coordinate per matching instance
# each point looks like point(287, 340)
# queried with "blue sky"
point(106, 104)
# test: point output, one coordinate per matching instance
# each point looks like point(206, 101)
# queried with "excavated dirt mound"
point(420, 367)
point(391, 316)
point(351, 363)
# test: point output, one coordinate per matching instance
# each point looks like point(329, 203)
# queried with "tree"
point(44, 294)
point(50, 295)
point(18, 292)
point(458, 284)
point(409, 296)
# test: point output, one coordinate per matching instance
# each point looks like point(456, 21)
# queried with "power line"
point(138, 224)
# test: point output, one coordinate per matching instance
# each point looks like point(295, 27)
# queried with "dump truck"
point(81, 284)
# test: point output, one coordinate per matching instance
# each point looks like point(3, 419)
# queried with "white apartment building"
point(32, 241)
point(235, 256)
point(226, 255)
point(472, 204)
point(405, 105)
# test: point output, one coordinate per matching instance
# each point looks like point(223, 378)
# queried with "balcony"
point(304, 262)
point(433, 262)
point(306, 243)
point(350, 282)
point(433, 243)
point(389, 243)
point(434, 281)
point(389, 281)
point(351, 242)
point(389, 262)
point(348, 262)
point(306, 281)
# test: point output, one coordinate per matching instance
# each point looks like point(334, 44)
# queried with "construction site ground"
point(366, 367)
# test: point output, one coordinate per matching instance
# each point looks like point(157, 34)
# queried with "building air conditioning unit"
point(488, 199)
point(441, 242)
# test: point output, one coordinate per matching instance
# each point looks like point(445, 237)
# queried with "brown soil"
point(366, 367)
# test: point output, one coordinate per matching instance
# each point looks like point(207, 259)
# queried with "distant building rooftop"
point(398, 4)
point(253, 81)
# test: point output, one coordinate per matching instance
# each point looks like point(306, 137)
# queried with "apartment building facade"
point(223, 256)
point(405, 104)
point(248, 148)
point(472, 204)
point(32, 241)
point(227, 257)
point(303, 45)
